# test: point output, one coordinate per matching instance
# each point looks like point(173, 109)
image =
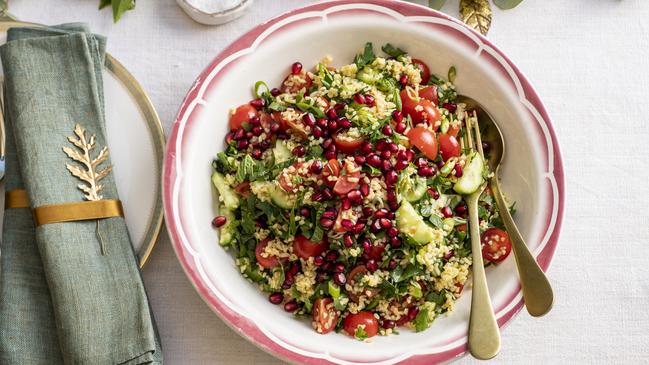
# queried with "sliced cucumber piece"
point(369, 75)
point(226, 193)
point(413, 188)
point(281, 152)
point(472, 177)
point(226, 231)
point(412, 224)
point(281, 198)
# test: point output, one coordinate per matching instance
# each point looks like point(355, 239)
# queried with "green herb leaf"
point(104, 3)
point(436, 221)
point(392, 50)
point(436, 4)
point(120, 7)
point(507, 4)
point(399, 274)
point(397, 98)
point(437, 298)
point(366, 57)
point(276, 106)
point(421, 321)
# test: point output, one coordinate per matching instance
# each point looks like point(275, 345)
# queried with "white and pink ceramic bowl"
point(532, 175)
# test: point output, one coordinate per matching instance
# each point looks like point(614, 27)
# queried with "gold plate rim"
point(154, 126)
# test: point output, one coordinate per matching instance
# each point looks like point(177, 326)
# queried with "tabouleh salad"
point(340, 194)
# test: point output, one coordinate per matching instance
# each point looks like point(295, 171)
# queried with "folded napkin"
point(98, 308)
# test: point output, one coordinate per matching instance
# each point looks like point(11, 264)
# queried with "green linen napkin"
point(98, 302)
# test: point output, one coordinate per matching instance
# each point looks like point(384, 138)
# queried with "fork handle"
point(537, 292)
point(484, 335)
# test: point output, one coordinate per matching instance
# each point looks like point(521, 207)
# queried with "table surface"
point(587, 59)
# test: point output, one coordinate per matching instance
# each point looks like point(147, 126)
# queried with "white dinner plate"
point(136, 141)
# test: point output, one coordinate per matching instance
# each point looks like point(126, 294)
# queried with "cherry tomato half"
point(325, 316)
point(305, 248)
point(448, 146)
point(332, 168)
point(348, 181)
point(424, 140)
point(425, 71)
point(364, 318)
point(242, 114)
point(421, 111)
point(347, 145)
point(287, 180)
point(429, 93)
point(265, 262)
point(495, 245)
point(355, 275)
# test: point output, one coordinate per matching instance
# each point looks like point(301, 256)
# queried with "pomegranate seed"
point(410, 154)
point(387, 130)
point(397, 116)
point(299, 151)
point(317, 132)
point(290, 306)
point(331, 113)
point(367, 212)
point(305, 212)
point(391, 215)
point(395, 242)
point(340, 278)
point(386, 166)
point(327, 143)
point(258, 103)
point(381, 213)
point(386, 155)
point(239, 134)
point(374, 160)
point(295, 268)
point(393, 232)
point(402, 155)
point(460, 209)
point(346, 204)
point(381, 144)
point(274, 127)
point(329, 214)
point(333, 125)
point(327, 194)
point(321, 277)
point(391, 177)
point(327, 266)
point(275, 91)
point(330, 154)
point(359, 99)
point(412, 313)
point(288, 282)
point(376, 227)
point(447, 212)
point(388, 323)
point(322, 123)
point(359, 227)
point(400, 165)
point(264, 144)
point(257, 130)
point(317, 197)
point(348, 241)
point(331, 255)
point(425, 171)
point(309, 119)
point(219, 221)
point(365, 189)
point(242, 144)
point(316, 167)
point(254, 120)
point(449, 255)
point(340, 106)
point(433, 193)
point(421, 162)
point(276, 298)
point(257, 154)
point(359, 159)
point(403, 80)
point(318, 260)
point(400, 127)
point(339, 267)
point(369, 100)
point(392, 264)
point(344, 123)
point(326, 223)
point(385, 223)
point(393, 147)
point(229, 137)
point(249, 135)
point(366, 244)
point(439, 164)
point(371, 265)
point(366, 148)
point(354, 195)
point(451, 107)
point(347, 224)
point(458, 170)
point(296, 68)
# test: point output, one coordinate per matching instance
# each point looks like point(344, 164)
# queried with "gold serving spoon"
point(537, 292)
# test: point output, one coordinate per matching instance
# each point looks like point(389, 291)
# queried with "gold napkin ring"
point(77, 211)
point(15, 199)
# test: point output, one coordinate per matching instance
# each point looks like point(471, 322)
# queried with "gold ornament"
point(476, 14)
point(87, 172)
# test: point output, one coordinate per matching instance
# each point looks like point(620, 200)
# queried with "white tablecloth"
point(588, 61)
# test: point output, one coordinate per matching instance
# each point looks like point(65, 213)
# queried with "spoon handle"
point(484, 335)
point(537, 292)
